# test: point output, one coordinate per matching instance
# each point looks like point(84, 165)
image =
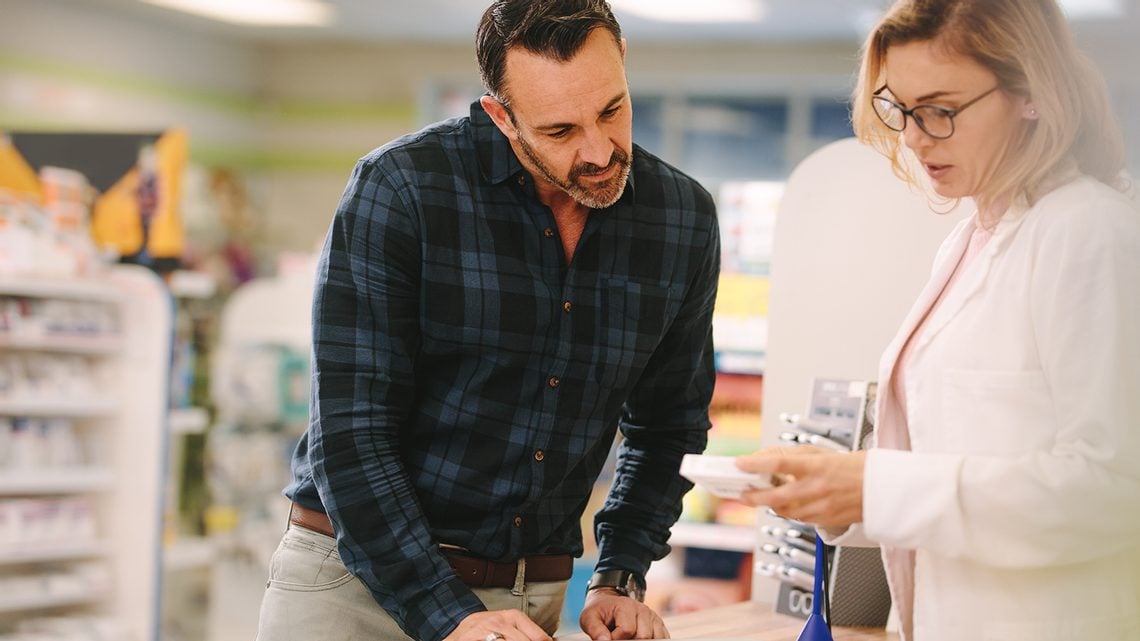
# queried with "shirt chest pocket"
point(632, 319)
point(997, 413)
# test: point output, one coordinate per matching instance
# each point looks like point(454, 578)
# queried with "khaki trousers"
point(310, 596)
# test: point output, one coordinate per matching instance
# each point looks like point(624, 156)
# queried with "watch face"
point(633, 589)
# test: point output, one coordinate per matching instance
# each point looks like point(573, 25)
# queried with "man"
point(495, 296)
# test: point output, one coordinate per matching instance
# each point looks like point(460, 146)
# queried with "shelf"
point(741, 362)
point(67, 344)
point(189, 420)
point(190, 284)
point(189, 553)
point(122, 410)
point(41, 553)
point(73, 408)
point(43, 602)
point(714, 536)
point(72, 289)
point(64, 481)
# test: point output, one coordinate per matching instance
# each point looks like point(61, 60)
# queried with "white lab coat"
point(1020, 497)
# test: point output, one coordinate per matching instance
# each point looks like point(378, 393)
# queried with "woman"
point(1004, 487)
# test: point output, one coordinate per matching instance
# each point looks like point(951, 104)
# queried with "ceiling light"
point(1082, 9)
point(687, 11)
point(274, 13)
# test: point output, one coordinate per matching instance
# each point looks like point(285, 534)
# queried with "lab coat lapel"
point(971, 280)
point(890, 432)
point(926, 299)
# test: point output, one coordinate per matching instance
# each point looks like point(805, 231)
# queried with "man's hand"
point(817, 486)
point(511, 625)
point(609, 615)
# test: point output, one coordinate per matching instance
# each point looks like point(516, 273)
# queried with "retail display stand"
point(838, 418)
point(84, 411)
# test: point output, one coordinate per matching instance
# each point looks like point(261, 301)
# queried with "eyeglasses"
point(937, 122)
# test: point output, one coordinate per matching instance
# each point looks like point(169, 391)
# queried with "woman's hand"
point(816, 486)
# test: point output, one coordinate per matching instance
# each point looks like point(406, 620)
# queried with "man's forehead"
point(548, 87)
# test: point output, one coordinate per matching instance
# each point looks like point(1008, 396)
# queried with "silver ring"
point(494, 636)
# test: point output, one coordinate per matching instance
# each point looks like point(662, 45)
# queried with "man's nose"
point(597, 148)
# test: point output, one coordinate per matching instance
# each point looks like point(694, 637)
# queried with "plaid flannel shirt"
point(468, 383)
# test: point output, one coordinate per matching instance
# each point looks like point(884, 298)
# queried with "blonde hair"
point(1028, 46)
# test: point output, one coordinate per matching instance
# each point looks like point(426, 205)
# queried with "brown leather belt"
point(311, 520)
point(474, 571)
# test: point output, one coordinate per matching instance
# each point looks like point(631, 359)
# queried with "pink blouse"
point(978, 240)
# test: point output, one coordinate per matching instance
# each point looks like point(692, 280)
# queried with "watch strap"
point(623, 582)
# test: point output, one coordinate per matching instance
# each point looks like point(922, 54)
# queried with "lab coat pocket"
point(996, 413)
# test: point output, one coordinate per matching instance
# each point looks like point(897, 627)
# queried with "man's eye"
point(610, 113)
point(561, 133)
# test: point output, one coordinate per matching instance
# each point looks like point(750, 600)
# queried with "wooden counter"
point(752, 621)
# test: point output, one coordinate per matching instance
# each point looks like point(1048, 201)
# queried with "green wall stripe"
point(240, 156)
point(251, 159)
point(396, 112)
point(19, 122)
point(95, 77)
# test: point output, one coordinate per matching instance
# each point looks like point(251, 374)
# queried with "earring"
point(1032, 113)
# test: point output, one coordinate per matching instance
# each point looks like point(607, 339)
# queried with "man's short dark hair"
point(553, 28)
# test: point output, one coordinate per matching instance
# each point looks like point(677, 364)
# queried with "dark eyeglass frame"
point(909, 113)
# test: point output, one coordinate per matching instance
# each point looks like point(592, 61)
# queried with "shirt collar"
point(496, 156)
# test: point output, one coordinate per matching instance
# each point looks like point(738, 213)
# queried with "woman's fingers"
point(821, 487)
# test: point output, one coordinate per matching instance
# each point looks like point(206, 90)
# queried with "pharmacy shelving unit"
point(122, 421)
point(188, 556)
point(183, 552)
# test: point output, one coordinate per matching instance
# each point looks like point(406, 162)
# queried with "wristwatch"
point(623, 582)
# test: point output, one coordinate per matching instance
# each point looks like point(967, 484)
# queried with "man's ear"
point(499, 116)
point(623, 48)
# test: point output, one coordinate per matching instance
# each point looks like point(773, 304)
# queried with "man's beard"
point(599, 197)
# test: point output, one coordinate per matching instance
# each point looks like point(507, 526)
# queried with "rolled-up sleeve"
point(666, 417)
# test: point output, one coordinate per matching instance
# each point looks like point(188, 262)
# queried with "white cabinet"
point(84, 381)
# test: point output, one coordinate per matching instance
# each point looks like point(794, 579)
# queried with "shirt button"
point(539, 455)
point(553, 382)
point(566, 306)
point(548, 232)
point(522, 179)
point(518, 521)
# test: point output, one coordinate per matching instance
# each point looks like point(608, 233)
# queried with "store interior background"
point(276, 118)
